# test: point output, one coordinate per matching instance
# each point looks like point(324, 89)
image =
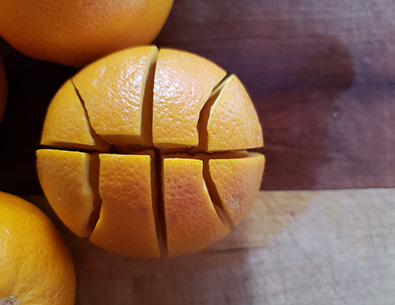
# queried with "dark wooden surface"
point(321, 74)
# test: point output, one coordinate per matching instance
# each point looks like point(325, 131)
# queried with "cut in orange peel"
point(162, 161)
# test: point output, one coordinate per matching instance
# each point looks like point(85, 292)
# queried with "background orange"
point(36, 267)
point(76, 32)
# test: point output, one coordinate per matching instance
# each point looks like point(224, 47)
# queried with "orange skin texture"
point(36, 267)
point(3, 89)
point(64, 177)
point(192, 223)
point(115, 107)
point(77, 32)
point(237, 181)
point(126, 191)
point(149, 106)
point(66, 122)
point(183, 83)
point(233, 113)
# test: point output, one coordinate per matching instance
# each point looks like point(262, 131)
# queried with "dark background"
point(321, 75)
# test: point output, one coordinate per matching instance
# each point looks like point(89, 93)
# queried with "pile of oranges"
point(144, 149)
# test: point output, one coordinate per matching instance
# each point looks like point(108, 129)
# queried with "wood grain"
point(321, 75)
point(296, 247)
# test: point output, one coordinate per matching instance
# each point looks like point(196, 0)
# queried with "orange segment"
point(64, 177)
point(233, 122)
point(183, 83)
point(192, 222)
point(237, 181)
point(127, 218)
point(66, 124)
point(113, 92)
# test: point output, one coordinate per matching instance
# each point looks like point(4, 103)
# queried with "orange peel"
point(174, 173)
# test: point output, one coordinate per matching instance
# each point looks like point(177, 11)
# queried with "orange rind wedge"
point(161, 165)
point(66, 123)
point(237, 181)
point(65, 179)
point(231, 123)
point(113, 95)
point(192, 222)
point(183, 83)
point(127, 223)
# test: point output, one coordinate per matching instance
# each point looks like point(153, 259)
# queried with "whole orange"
point(77, 32)
point(3, 89)
point(36, 267)
point(148, 151)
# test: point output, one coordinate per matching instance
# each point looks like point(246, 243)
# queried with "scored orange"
point(77, 32)
point(3, 89)
point(36, 267)
point(147, 152)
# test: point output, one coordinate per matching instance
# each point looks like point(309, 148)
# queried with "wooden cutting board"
point(296, 247)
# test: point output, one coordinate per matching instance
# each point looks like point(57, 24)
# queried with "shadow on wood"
point(104, 277)
point(296, 126)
